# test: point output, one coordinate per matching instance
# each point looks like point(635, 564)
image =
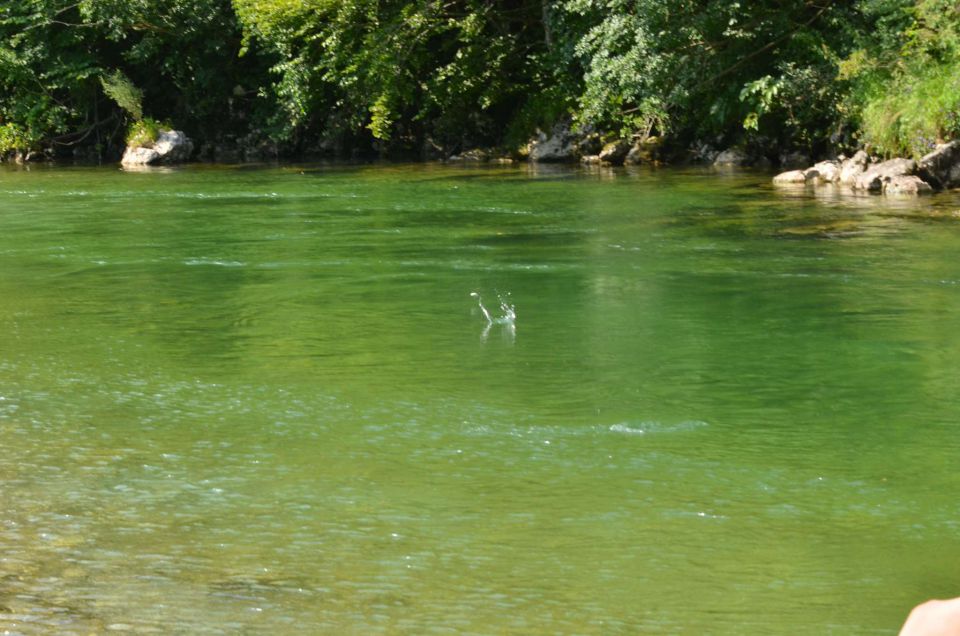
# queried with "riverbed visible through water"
point(267, 400)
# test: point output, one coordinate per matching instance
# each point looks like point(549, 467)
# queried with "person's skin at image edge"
point(934, 618)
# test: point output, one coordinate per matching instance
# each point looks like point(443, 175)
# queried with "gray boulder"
point(824, 172)
point(791, 177)
point(560, 146)
point(894, 177)
point(874, 178)
point(906, 184)
point(853, 167)
point(942, 166)
point(615, 152)
point(732, 157)
point(172, 146)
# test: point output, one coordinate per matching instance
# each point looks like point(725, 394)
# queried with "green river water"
point(262, 400)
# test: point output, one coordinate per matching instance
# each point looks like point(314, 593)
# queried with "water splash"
point(507, 318)
point(508, 311)
point(486, 314)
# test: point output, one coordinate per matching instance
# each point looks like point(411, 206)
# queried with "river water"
point(263, 400)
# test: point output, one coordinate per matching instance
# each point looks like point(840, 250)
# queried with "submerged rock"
point(172, 146)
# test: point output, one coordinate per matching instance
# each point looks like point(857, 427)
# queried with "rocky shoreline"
point(938, 170)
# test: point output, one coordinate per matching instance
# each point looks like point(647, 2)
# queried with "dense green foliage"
point(60, 59)
point(432, 76)
point(121, 90)
point(144, 132)
point(908, 89)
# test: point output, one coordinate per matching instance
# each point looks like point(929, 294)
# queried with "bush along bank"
point(714, 81)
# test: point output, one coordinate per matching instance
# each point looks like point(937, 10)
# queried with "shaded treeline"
point(439, 76)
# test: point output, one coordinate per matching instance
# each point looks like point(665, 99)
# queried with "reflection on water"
point(255, 400)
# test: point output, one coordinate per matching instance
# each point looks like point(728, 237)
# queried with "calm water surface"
point(240, 400)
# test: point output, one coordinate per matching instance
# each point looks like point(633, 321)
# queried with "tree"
point(401, 71)
point(53, 53)
point(905, 77)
